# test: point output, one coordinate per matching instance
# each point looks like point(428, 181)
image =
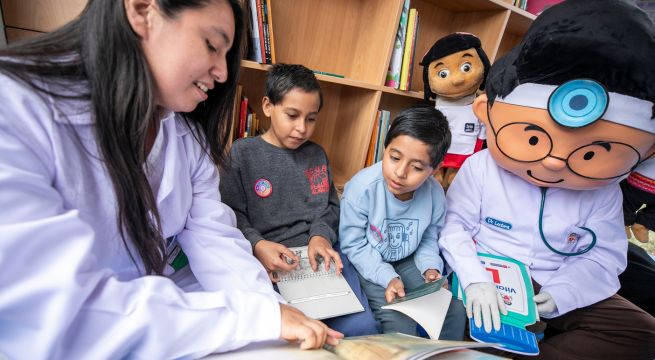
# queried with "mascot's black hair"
point(610, 41)
point(447, 45)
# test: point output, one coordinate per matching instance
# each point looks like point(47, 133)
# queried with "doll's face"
point(456, 75)
point(529, 143)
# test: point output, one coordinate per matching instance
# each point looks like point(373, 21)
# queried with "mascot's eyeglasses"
point(576, 103)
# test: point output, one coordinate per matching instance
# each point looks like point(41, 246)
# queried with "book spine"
point(370, 154)
point(393, 74)
point(377, 137)
point(267, 39)
point(256, 51)
point(384, 125)
point(261, 32)
point(413, 53)
point(248, 131)
point(242, 117)
point(409, 39)
point(270, 30)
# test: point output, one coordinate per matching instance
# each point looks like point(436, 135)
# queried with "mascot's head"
point(454, 67)
point(572, 105)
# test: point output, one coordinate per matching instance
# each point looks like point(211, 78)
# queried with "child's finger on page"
point(288, 254)
point(337, 260)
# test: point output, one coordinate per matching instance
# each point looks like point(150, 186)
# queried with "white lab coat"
point(465, 128)
point(68, 288)
point(501, 212)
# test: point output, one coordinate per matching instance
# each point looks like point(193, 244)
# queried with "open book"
point(319, 294)
point(373, 347)
point(514, 284)
point(397, 346)
point(426, 304)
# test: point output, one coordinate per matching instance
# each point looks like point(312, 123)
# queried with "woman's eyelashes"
point(211, 47)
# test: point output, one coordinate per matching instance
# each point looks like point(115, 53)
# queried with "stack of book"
point(262, 45)
point(399, 75)
point(376, 144)
point(245, 122)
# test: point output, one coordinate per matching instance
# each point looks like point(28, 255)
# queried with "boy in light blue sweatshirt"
point(391, 215)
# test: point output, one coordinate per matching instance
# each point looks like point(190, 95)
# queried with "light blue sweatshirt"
point(376, 228)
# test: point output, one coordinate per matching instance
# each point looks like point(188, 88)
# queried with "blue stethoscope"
point(575, 103)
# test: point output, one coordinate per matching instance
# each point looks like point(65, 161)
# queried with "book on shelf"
point(236, 112)
point(521, 4)
point(372, 145)
point(382, 134)
point(254, 51)
point(269, 14)
point(426, 304)
point(376, 157)
point(413, 52)
point(267, 38)
point(407, 51)
point(320, 294)
point(260, 23)
point(393, 74)
point(243, 116)
point(513, 281)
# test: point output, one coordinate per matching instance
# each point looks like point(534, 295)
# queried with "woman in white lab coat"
point(110, 131)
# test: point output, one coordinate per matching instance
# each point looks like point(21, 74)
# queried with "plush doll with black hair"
point(569, 112)
point(454, 69)
point(639, 214)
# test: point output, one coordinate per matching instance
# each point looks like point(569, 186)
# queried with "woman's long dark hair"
point(99, 48)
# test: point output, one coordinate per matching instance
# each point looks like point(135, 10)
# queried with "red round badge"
point(263, 188)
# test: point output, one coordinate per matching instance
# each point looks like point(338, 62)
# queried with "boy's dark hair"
point(283, 78)
point(448, 45)
point(610, 41)
point(425, 124)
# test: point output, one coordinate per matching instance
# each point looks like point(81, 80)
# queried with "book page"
point(429, 309)
point(395, 346)
point(319, 294)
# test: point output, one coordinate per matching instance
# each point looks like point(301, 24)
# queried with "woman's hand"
point(395, 288)
point(275, 257)
point(312, 334)
point(320, 246)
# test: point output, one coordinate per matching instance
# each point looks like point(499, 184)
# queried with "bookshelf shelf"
point(408, 94)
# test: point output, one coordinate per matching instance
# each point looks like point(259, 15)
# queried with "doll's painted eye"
point(466, 67)
point(443, 73)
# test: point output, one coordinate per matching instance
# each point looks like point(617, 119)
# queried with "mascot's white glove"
point(545, 303)
point(484, 304)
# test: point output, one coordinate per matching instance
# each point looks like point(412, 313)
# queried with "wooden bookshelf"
point(352, 38)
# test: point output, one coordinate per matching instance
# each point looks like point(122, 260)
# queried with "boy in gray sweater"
point(280, 187)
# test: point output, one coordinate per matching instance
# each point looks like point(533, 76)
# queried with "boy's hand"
point(275, 257)
point(320, 246)
point(312, 334)
point(431, 275)
point(395, 288)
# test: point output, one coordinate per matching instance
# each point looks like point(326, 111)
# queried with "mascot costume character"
point(568, 113)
